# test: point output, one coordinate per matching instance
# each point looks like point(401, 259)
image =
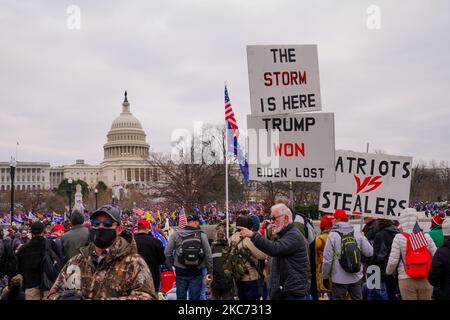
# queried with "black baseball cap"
point(37, 227)
point(111, 211)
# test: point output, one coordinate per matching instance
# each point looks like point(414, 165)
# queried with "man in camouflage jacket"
point(105, 269)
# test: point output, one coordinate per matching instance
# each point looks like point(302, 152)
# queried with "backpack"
point(190, 253)
point(306, 227)
point(51, 266)
point(8, 260)
point(234, 259)
point(350, 259)
point(417, 263)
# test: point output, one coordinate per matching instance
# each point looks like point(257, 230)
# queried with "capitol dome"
point(126, 138)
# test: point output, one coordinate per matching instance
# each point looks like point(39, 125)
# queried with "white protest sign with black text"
point(297, 147)
point(374, 185)
point(283, 79)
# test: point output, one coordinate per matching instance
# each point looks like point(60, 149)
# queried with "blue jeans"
point(248, 290)
point(203, 291)
point(375, 294)
point(191, 284)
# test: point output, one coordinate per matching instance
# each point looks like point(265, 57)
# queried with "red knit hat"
point(326, 222)
point(437, 220)
point(340, 214)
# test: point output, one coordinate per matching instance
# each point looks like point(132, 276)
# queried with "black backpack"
point(51, 266)
point(190, 253)
point(350, 259)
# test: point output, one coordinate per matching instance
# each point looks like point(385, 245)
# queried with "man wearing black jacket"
point(151, 249)
point(290, 268)
point(382, 244)
point(30, 259)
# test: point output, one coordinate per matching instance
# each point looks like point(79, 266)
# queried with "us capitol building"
point(126, 161)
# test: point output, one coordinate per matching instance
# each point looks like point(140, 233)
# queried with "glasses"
point(272, 218)
point(105, 223)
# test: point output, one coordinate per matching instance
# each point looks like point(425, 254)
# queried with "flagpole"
point(226, 179)
point(226, 188)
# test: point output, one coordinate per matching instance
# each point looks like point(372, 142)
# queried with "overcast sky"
point(60, 89)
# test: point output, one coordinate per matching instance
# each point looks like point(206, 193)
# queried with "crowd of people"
point(277, 255)
point(432, 208)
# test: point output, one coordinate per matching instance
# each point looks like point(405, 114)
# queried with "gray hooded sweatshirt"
point(332, 253)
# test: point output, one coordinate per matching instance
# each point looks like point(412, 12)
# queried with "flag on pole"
point(159, 236)
point(233, 135)
point(57, 217)
point(182, 219)
point(138, 212)
point(17, 219)
point(31, 216)
point(417, 238)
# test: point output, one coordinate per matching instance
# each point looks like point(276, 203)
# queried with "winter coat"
point(175, 243)
point(370, 230)
point(290, 268)
point(29, 261)
point(122, 275)
point(321, 240)
point(152, 250)
point(58, 243)
point(219, 282)
point(439, 275)
point(256, 255)
point(398, 250)
point(332, 253)
point(437, 235)
point(17, 242)
point(8, 259)
point(382, 245)
point(73, 240)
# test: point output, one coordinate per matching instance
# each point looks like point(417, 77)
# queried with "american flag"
point(138, 212)
point(182, 219)
point(417, 238)
point(229, 115)
point(233, 144)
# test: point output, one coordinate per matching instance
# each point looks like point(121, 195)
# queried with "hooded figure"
point(410, 289)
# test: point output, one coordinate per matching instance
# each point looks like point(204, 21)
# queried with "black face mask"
point(104, 238)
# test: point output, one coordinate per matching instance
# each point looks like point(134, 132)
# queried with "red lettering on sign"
point(369, 182)
point(289, 149)
point(284, 78)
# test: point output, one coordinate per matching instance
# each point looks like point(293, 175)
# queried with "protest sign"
point(374, 185)
point(297, 147)
point(283, 79)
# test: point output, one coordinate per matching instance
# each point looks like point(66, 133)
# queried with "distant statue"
point(78, 199)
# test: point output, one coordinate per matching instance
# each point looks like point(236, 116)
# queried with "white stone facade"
point(28, 176)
